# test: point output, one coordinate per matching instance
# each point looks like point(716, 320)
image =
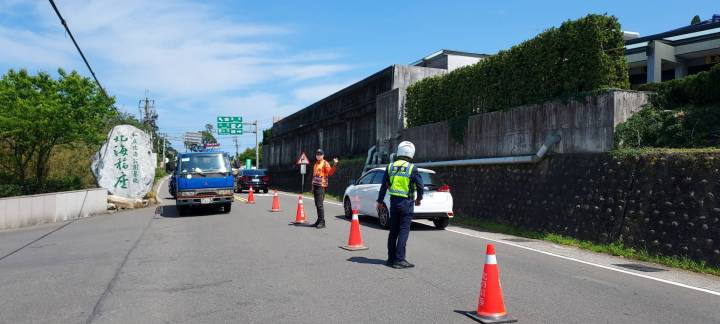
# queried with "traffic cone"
point(251, 196)
point(491, 308)
point(355, 240)
point(300, 214)
point(275, 203)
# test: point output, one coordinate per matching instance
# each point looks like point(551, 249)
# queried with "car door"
point(358, 198)
point(371, 192)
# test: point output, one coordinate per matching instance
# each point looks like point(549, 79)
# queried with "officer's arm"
point(383, 187)
point(419, 185)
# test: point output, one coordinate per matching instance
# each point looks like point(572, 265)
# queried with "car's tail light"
point(266, 179)
point(450, 214)
point(444, 188)
point(245, 178)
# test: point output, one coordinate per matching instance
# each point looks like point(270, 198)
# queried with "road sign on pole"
point(248, 164)
point(303, 161)
point(229, 125)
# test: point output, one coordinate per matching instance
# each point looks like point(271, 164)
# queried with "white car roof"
point(419, 169)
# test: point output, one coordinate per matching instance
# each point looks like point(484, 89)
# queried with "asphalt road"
point(250, 266)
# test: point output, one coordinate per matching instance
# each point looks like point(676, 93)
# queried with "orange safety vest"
point(321, 171)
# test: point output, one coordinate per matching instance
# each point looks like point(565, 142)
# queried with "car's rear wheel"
point(348, 208)
point(265, 190)
point(441, 223)
point(383, 216)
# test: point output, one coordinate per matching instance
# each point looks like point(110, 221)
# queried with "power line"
point(67, 29)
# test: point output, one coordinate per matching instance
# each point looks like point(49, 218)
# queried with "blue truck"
point(203, 179)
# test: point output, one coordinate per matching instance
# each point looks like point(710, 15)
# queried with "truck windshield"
point(204, 163)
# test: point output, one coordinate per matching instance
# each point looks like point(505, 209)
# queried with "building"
point(673, 54)
point(365, 114)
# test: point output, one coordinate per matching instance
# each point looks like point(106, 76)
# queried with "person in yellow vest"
point(321, 172)
point(402, 180)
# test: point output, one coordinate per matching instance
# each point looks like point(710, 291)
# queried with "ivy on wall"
point(581, 55)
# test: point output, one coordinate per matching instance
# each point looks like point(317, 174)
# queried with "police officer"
point(321, 172)
point(402, 180)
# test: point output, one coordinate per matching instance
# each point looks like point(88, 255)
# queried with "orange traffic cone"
point(355, 240)
point(251, 196)
point(491, 308)
point(275, 203)
point(300, 214)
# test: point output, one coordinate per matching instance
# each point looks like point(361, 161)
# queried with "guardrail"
point(23, 211)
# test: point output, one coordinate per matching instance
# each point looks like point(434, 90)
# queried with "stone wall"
point(586, 125)
point(666, 204)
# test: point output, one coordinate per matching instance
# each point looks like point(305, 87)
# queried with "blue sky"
point(260, 59)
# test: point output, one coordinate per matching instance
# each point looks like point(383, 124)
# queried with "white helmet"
point(406, 149)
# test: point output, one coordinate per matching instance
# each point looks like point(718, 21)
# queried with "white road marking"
point(308, 197)
point(708, 291)
point(157, 192)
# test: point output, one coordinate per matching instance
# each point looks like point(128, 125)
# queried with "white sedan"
point(437, 203)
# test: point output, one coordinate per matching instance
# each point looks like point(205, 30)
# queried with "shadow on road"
point(170, 211)
point(366, 260)
point(371, 222)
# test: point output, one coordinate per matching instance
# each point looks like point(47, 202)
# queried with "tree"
point(695, 20)
point(39, 113)
point(207, 134)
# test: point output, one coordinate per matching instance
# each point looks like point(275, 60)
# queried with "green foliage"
point(39, 113)
point(695, 20)
point(581, 55)
point(685, 113)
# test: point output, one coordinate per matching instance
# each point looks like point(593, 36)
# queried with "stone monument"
point(124, 165)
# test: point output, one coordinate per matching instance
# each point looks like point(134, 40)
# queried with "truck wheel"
point(441, 223)
point(383, 217)
point(227, 208)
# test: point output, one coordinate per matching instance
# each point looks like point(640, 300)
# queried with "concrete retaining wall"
point(16, 212)
point(587, 125)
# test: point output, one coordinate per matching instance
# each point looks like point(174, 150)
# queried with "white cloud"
point(177, 48)
point(197, 61)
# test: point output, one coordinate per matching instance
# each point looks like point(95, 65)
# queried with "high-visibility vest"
point(399, 174)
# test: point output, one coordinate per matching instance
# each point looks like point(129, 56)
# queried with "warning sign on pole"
point(303, 159)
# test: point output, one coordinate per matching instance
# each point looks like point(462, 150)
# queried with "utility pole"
point(257, 148)
point(149, 116)
point(236, 148)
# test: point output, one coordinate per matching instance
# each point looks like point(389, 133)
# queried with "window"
point(430, 180)
point(366, 179)
point(205, 163)
point(378, 177)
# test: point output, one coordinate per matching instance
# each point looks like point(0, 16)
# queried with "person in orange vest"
point(321, 172)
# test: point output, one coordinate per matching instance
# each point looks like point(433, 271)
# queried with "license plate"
point(205, 200)
point(256, 180)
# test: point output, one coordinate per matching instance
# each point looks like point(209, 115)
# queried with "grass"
point(613, 248)
point(632, 152)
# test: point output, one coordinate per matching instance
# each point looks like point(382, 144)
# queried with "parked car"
point(255, 178)
point(437, 203)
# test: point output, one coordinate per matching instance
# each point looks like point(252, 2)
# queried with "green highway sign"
point(227, 125)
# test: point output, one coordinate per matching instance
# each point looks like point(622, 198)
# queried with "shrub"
point(582, 55)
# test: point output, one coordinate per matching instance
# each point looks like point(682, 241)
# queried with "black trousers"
point(401, 215)
point(319, 195)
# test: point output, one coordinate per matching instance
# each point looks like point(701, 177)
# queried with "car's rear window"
point(431, 180)
point(253, 172)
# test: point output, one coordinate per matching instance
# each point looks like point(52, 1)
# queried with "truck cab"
point(203, 179)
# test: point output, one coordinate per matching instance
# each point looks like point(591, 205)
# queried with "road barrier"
point(251, 196)
point(275, 203)
point(300, 214)
point(23, 211)
point(355, 241)
point(491, 307)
